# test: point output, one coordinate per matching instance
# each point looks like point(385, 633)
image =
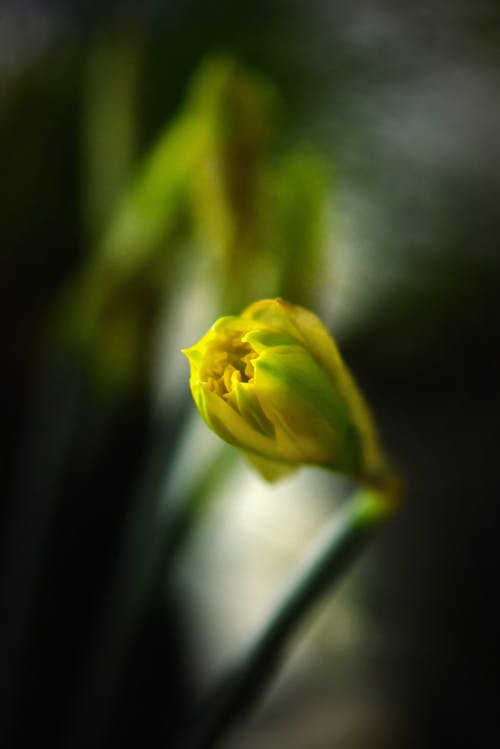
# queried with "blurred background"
point(164, 163)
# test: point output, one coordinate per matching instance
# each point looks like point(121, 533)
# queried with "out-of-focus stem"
point(158, 525)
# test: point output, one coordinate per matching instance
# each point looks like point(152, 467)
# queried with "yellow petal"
point(262, 339)
point(232, 427)
point(300, 324)
point(250, 408)
point(270, 470)
point(312, 334)
point(313, 422)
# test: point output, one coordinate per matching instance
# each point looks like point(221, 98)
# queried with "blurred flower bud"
point(271, 381)
point(230, 197)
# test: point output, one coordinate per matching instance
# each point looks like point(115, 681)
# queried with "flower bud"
point(271, 381)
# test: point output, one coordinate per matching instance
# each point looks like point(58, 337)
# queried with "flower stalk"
point(338, 545)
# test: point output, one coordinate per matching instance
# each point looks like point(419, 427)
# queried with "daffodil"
point(272, 382)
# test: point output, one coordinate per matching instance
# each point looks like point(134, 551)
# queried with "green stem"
point(339, 544)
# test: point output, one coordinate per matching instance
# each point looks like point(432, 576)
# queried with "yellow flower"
point(271, 381)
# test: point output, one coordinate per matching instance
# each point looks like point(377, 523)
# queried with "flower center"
point(230, 361)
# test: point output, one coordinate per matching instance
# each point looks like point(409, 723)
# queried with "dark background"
point(402, 100)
